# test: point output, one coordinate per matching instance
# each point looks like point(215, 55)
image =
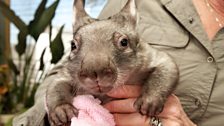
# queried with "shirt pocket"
point(171, 39)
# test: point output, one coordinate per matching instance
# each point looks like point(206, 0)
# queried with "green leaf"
point(40, 9)
point(21, 46)
point(30, 100)
point(42, 60)
point(57, 47)
point(13, 67)
point(10, 14)
point(38, 13)
point(43, 20)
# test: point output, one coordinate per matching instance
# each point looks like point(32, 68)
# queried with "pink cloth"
point(91, 113)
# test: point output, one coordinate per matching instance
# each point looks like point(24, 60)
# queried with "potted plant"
point(20, 79)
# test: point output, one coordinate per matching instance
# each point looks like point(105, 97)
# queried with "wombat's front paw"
point(62, 115)
point(149, 105)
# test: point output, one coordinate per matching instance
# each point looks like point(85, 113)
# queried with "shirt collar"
point(186, 14)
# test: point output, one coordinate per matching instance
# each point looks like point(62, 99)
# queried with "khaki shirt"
point(172, 26)
point(175, 27)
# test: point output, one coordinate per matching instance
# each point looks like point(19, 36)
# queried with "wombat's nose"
point(97, 76)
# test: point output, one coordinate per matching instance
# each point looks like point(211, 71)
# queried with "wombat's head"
point(103, 51)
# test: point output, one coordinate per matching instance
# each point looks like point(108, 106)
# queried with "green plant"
point(19, 92)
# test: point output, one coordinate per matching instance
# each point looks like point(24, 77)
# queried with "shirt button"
point(210, 59)
point(197, 102)
point(191, 20)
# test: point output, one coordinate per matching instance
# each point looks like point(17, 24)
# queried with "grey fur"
point(99, 63)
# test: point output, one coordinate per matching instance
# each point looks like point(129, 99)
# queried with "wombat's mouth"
point(101, 89)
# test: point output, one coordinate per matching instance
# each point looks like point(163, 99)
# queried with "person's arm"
point(126, 115)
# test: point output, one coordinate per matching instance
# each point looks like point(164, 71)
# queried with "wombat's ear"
point(80, 16)
point(129, 11)
point(130, 8)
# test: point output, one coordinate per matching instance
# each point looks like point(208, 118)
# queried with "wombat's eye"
point(121, 41)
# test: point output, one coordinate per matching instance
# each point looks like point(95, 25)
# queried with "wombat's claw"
point(149, 106)
point(62, 114)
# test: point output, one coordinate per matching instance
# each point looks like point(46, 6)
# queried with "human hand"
point(126, 115)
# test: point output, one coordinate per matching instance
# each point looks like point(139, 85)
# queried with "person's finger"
point(171, 122)
point(172, 107)
point(174, 111)
point(121, 106)
point(125, 91)
point(134, 119)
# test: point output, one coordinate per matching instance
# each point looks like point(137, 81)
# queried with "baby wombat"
point(106, 54)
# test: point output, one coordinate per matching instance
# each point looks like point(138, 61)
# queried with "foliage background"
point(32, 38)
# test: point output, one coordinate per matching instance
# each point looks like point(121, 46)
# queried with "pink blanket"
point(91, 113)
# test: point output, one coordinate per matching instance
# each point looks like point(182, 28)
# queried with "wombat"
point(109, 53)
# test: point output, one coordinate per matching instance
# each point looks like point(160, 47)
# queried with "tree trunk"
point(4, 38)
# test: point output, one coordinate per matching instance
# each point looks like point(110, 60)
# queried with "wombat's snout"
point(97, 73)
